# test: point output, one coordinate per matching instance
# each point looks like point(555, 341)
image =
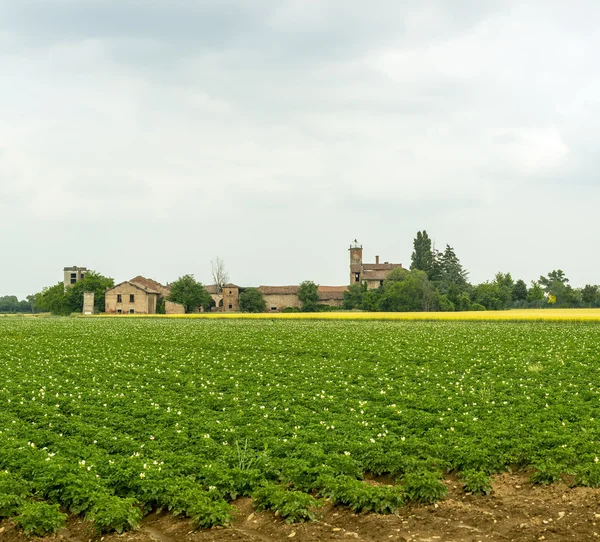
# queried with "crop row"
point(110, 418)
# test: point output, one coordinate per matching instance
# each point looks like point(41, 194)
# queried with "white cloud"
point(277, 124)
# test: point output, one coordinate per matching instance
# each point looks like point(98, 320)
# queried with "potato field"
point(111, 418)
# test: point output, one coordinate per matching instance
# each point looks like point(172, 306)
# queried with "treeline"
point(437, 281)
point(11, 304)
point(63, 301)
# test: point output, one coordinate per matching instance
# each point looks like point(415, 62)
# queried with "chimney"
point(377, 260)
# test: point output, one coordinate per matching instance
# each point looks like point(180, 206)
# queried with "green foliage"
point(160, 305)
point(252, 300)
point(588, 475)
point(548, 472)
point(476, 482)
point(111, 513)
point(444, 304)
point(39, 518)
point(422, 256)
point(190, 293)
point(590, 296)
point(491, 296)
point(519, 291)
point(424, 486)
point(308, 293)
point(477, 307)
point(54, 300)
point(62, 302)
point(448, 271)
point(360, 496)
point(535, 294)
point(11, 304)
point(112, 418)
point(293, 506)
point(92, 282)
point(353, 296)
point(556, 287)
point(13, 494)
point(408, 291)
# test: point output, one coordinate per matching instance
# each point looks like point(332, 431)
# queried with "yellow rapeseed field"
point(547, 315)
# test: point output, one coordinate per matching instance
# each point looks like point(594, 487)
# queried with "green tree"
point(92, 282)
point(252, 300)
point(11, 304)
point(408, 291)
point(353, 296)
point(190, 293)
point(422, 256)
point(589, 295)
point(54, 300)
point(556, 286)
point(505, 284)
point(519, 291)
point(370, 300)
point(490, 295)
point(308, 293)
point(535, 294)
point(448, 271)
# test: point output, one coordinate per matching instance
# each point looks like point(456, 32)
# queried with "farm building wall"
point(173, 308)
point(143, 302)
point(278, 302)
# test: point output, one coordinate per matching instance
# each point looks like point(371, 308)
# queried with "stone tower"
point(356, 262)
point(73, 274)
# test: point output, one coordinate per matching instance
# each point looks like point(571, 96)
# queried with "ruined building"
point(73, 274)
point(141, 295)
point(373, 274)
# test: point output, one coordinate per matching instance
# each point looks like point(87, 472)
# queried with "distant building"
point(141, 295)
point(278, 298)
point(373, 274)
point(130, 298)
point(73, 275)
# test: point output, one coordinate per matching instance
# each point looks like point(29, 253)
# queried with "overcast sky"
point(151, 136)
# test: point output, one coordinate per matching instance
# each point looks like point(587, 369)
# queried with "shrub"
point(477, 307)
point(588, 476)
point(111, 513)
point(252, 300)
point(360, 496)
point(548, 472)
point(293, 506)
point(424, 487)
point(445, 304)
point(40, 518)
point(476, 482)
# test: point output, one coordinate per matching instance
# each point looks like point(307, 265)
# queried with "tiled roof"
point(381, 266)
point(375, 275)
point(135, 285)
point(278, 290)
point(333, 288)
point(150, 284)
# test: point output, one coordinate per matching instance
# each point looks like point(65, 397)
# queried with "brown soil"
point(516, 510)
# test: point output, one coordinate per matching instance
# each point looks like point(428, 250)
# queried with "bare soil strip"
point(515, 511)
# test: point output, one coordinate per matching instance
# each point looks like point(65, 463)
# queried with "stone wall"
point(143, 302)
point(174, 308)
point(278, 302)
